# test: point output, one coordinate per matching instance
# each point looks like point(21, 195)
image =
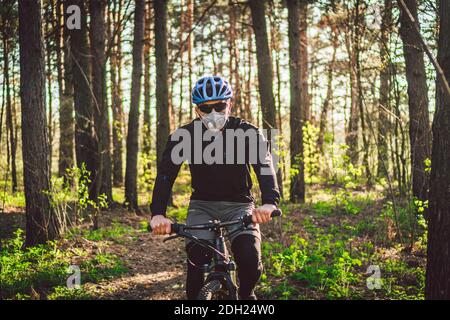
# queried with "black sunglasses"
point(218, 107)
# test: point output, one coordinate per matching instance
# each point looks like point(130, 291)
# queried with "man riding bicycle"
point(221, 189)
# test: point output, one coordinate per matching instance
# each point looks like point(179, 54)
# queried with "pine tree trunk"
point(85, 140)
point(116, 93)
point(352, 45)
point(66, 119)
point(437, 285)
point(297, 191)
point(265, 71)
point(147, 139)
point(248, 82)
point(131, 196)
point(41, 224)
point(235, 78)
point(306, 108)
point(9, 115)
point(384, 107)
point(48, 58)
point(190, 22)
point(101, 115)
point(419, 127)
point(162, 84)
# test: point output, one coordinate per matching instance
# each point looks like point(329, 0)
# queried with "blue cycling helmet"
point(211, 88)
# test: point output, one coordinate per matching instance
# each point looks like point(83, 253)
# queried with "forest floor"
point(319, 250)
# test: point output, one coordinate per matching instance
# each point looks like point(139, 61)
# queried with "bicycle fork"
point(222, 270)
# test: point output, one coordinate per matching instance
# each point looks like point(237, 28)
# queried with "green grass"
point(12, 199)
point(330, 259)
point(322, 264)
point(43, 269)
point(114, 232)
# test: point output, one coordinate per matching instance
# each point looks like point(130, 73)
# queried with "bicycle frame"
point(224, 268)
point(224, 271)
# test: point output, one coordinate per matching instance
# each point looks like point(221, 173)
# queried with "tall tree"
point(147, 132)
point(360, 10)
point(352, 40)
point(162, 83)
point(101, 115)
point(419, 126)
point(306, 107)
point(265, 70)
point(85, 139)
point(49, 50)
point(385, 89)
point(41, 224)
point(189, 40)
point(8, 29)
point(116, 91)
point(437, 285)
point(297, 191)
point(235, 78)
point(182, 48)
point(66, 116)
point(248, 81)
point(131, 196)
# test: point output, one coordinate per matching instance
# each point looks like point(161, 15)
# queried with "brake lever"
point(171, 238)
point(180, 233)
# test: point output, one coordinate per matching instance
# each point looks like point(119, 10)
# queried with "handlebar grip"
point(276, 213)
point(174, 228)
point(247, 219)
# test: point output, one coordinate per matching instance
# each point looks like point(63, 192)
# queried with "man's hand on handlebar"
point(160, 225)
point(262, 213)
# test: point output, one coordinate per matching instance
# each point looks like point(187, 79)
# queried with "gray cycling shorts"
point(202, 211)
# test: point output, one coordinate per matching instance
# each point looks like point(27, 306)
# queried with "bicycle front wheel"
point(213, 290)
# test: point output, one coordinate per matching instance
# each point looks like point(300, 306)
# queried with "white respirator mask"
point(215, 121)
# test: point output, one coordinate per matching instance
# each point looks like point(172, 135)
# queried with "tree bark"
point(384, 125)
point(48, 50)
point(352, 39)
point(9, 113)
point(147, 139)
point(131, 196)
point(306, 106)
point(66, 117)
point(85, 139)
point(419, 127)
point(437, 285)
point(116, 94)
point(297, 191)
point(162, 84)
point(235, 78)
point(248, 86)
point(41, 224)
point(190, 22)
point(265, 70)
point(101, 115)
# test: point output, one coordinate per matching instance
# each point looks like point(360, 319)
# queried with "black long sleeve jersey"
point(219, 162)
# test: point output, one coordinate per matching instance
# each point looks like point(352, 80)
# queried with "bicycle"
point(220, 275)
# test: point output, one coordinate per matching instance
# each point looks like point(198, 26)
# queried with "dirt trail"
point(157, 268)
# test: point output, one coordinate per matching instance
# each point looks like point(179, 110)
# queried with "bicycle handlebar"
point(245, 220)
